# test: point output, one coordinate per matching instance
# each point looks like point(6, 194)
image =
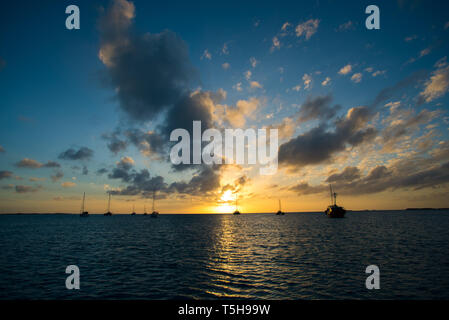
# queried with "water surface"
point(256, 256)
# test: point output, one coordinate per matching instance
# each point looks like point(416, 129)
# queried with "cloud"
point(378, 73)
point(33, 164)
point(389, 92)
point(82, 153)
point(356, 77)
point(406, 174)
point(238, 86)
point(253, 62)
point(26, 189)
point(317, 108)
point(115, 144)
point(201, 184)
point(307, 81)
point(319, 144)
point(345, 26)
point(345, 70)
point(226, 66)
point(122, 170)
point(286, 128)
point(236, 116)
point(2, 149)
point(403, 123)
point(307, 29)
point(411, 38)
point(5, 174)
point(101, 171)
point(285, 26)
point(438, 84)
point(276, 44)
point(68, 184)
point(150, 72)
point(206, 55)
point(34, 179)
point(326, 81)
point(57, 176)
point(255, 84)
point(225, 49)
point(348, 174)
point(247, 74)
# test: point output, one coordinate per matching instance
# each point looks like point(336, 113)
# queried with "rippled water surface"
point(262, 256)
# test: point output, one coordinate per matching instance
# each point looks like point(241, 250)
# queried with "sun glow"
point(226, 203)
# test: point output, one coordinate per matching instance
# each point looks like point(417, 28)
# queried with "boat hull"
point(335, 212)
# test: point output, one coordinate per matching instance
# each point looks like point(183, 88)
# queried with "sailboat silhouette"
point(280, 212)
point(154, 213)
point(109, 213)
point(134, 212)
point(236, 212)
point(82, 212)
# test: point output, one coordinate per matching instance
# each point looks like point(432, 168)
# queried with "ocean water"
point(254, 256)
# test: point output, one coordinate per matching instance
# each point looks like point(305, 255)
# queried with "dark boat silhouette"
point(109, 213)
point(236, 212)
point(334, 211)
point(134, 212)
point(280, 212)
point(82, 212)
point(144, 210)
point(154, 213)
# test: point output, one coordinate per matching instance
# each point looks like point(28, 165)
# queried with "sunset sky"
point(91, 110)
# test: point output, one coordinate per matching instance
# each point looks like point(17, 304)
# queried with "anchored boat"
point(82, 212)
point(154, 213)
point(280, 212)
point(109, 213)
point(236, 212)
point(334, 211)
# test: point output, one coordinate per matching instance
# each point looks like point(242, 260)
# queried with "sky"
point(91, 110)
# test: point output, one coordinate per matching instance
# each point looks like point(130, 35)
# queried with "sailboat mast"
point(109, 203)
point(332, 200)
point(280, 205)
point(154, 196)
point(82, 205)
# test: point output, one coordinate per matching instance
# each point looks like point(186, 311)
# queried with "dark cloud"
point(122, 170)
point(26, 189)
point(102, 171)
point(320, 143)
point(348, 174)
point(202, 183)
point(85, 171)
point(115, 144)
point(51, 164)
point(148, 142)
point(5, 174)
point(141, 183)
point(82, 153)
point(406, 174)
point(389, 92)
point(33, 164)
point(150, 71)
point(57, 176)
point(318, 108)
point(2, 149)
point(304, 188)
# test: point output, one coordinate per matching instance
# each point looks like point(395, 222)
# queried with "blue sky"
point(56, 94)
